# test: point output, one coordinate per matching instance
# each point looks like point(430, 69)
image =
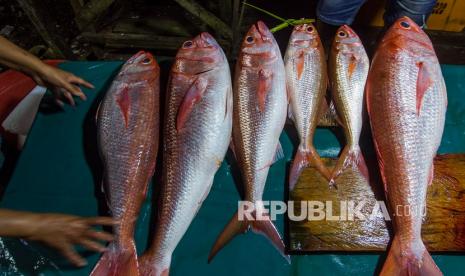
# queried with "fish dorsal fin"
point(424, 81)
point(124, 102)
point(191, 98)
point(264, 85)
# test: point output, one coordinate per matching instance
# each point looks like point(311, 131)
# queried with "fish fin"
point(431, 175)
point(405, 263)
point(228, 105)
point(235, 226)
point(117, 261)
point(268, 229)
point(424, 81)
point(298, 164)
point(264, 83)
point(352, 65)
point(349, 158)
point(279, 154)
point(147, 266)
point(290, 115)
point(124, 103)
point(232, 148)
point(97, 113)
point(300, 65)
point(191, 98)
point(304, 159)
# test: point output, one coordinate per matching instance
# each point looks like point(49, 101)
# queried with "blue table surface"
point(56, 173)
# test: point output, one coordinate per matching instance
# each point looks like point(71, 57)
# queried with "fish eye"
point(146, 61)
point(249, 39)
point(309, 29)
point(405, 25)
point(188, 44)
point(342, 34)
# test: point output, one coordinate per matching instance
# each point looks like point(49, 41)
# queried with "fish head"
point(198, 55)
point(140, 66)
point(407, 35)
point(346, 40)
point(259, 46)
point(304, 36)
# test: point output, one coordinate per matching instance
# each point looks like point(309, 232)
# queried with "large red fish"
point(406, 98)
point(128, 123)
point(197, 133)
point(260, 106)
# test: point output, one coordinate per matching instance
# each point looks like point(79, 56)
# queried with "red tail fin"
point(349, 157)
point(117, 261)
point(302, 160)
point(401, 263)
point(264, 226)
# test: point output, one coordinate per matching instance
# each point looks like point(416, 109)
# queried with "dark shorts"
point(339, 12)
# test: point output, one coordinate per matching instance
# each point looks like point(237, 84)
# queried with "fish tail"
point(149, 266)
point(302, 160)
point(350, 157)
point(263, 225)
point(117, 261)
point(401, 263)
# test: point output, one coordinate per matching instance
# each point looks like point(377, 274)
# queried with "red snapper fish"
point(260, 107)
point(307, 80)
point(348, 70)
point(406, 99)
point(197, 134)
point(128, 123)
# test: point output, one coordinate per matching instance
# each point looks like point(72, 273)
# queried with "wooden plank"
point(91, 11)
point(76, 5)
point(209, 18)
point(443, 228)
point(142, 41)
point(46, 28)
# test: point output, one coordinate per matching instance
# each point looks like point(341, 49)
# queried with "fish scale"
point(128, 123)
point(406, 100)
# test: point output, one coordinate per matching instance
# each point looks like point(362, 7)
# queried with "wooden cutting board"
point(443, 227)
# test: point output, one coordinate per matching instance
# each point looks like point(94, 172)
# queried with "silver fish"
point(260, 106)
point(306, 84)
point(197, 135)
point(348, 71)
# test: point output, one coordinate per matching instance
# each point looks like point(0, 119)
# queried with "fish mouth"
point(262, 30)
point(138, 57)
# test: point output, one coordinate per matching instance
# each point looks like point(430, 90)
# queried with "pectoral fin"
point(424, 81)
point(191, 98)
point(264, 85)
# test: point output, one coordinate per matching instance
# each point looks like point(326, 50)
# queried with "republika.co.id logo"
point(324, 210)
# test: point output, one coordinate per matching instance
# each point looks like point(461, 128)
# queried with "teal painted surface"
point(55, 174)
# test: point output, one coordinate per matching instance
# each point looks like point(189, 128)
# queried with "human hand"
point(62, 232)
point(63, 85)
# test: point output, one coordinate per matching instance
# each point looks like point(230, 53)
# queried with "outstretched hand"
point(63, 85)
point(62, 232)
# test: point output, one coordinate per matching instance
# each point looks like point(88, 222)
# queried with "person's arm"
point(59, 231)
point(62, 83)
